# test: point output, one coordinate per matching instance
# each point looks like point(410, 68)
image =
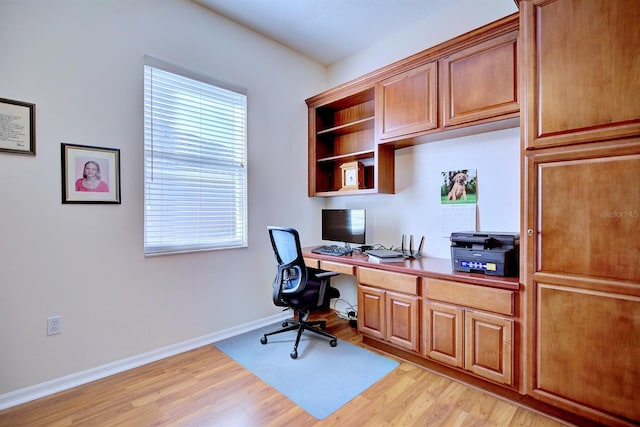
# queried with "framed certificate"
point(17, 127)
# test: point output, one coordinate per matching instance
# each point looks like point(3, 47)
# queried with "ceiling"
point(326, 30)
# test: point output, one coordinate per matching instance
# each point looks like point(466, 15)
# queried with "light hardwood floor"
point(204, 387)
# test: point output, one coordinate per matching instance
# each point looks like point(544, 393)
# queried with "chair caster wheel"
point(333, 343)
point(263, 340)
point(285, 324)
point(294, 354)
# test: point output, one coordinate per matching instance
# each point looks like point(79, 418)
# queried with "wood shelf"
point(342, 131)
point(357, 126)
point(361, 155)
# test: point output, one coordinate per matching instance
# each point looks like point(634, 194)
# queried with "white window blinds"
point(195, 157)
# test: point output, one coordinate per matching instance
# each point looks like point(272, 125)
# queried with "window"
point(195, 157)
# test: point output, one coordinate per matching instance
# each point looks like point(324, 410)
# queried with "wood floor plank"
point(205, 387)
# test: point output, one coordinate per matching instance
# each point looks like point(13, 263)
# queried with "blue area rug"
point(321, 380)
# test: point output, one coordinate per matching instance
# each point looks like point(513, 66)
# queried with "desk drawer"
point(399, 282)
point(311, 262)
point(474, 296)
point(338, 267)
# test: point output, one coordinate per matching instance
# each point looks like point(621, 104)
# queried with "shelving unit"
point(343, 131)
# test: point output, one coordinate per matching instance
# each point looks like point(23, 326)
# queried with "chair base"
point(302, 325)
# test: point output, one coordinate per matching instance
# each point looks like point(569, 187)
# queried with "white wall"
point(81, 63)
point(450, 18)
point(415, 207)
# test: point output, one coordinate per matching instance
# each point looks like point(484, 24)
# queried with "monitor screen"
point(344, 225)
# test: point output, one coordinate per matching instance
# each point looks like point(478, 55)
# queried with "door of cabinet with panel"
point(388, 307)
point(408, 102)
point(456, 333)
point(480, 83)
point(581, 72)
point(583, 279)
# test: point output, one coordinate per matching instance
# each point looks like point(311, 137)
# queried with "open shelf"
point(343, 131)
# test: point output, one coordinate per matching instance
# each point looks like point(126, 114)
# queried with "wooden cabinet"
point(408, 102)
point(443, 332)
point(343, 131)
point(465, 338)
point(583, 278)
point(367, 119)
point(588, 347)
point(489, 346)
point(402, 320)
point(581, 122)
point(581, 70)
point(388, 307)
point(481, 81)
point(372, 315)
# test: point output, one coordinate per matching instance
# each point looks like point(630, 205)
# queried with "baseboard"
point(37, 391)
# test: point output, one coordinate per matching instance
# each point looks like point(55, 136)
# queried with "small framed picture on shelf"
point(352, 176)
point(17, 127)
point(90, 174)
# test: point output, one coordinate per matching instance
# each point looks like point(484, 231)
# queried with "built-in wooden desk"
point(437, 268)
point(422, 310)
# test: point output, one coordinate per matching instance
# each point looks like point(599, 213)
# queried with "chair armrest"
point(323, 274)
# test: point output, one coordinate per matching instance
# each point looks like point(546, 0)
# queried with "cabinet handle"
point(530, 232)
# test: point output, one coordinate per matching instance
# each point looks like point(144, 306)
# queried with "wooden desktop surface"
point(439, 268)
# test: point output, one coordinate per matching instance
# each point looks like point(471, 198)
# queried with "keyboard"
point(334, 250)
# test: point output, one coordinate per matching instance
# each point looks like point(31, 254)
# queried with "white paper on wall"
point(457, 218)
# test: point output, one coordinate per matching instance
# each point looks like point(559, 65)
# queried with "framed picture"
point(17, 127)
point(90, 174)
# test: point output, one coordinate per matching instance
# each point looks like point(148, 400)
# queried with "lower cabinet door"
point(371, 312)
point(402, 320)
point(443, 333)
point(489, 346)
point(588, 349)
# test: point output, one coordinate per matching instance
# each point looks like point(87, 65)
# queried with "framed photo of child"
point(90, 174)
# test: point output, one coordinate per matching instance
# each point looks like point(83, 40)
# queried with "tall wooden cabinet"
point(581, 206)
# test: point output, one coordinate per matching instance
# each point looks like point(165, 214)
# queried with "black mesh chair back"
point(291, 272)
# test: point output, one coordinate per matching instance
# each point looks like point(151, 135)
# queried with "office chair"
point(301, 288)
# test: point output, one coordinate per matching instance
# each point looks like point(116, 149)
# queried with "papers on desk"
point(384, 255)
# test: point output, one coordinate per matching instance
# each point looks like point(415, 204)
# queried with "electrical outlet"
point(54, 325)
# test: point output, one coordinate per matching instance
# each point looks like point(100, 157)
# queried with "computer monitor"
point(344, 225)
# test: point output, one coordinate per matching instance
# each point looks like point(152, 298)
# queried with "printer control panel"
point(475, 265)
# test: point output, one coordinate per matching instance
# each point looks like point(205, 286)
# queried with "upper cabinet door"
point(481, 81)
point(582, 85)
point(408, 102)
